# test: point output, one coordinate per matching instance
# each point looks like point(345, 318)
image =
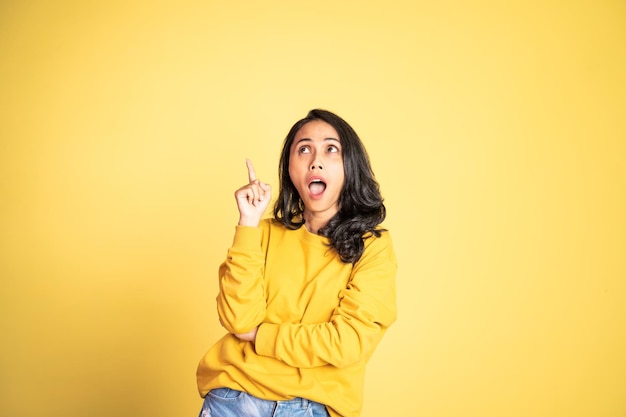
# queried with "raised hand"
point(252, 199)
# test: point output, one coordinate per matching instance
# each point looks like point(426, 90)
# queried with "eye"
point(332, 149)
point(304, 149)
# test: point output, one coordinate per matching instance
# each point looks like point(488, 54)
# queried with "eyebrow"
point(311, 140)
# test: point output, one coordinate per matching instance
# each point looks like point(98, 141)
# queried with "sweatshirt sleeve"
point(241, 298)
point(367, 307)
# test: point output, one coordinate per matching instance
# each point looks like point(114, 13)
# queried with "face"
point(316, 169)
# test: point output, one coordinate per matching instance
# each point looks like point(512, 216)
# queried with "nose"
point(317, 163)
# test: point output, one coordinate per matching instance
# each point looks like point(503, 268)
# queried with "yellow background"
point(496, 129)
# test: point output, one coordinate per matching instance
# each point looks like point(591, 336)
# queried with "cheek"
point(292, 171)
point(291, 168)
point(339, 171)
point(341, 183)
point(294, 177)
point(343, 178)
point(298, 165)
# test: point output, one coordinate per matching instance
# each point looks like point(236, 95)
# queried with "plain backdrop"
point(496, 130)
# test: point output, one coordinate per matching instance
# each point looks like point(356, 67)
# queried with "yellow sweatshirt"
point(319, 319)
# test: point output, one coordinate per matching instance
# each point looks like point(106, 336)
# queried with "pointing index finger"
point(251, 173)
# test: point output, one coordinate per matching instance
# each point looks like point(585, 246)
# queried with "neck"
point(316, 221)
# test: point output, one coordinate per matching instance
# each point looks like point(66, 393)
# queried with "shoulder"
point(378, 246)
point(270, 225)
point(383, 240)
point(378, 258)
point(273, 229)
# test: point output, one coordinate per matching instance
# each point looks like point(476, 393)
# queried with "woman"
point(307, 295)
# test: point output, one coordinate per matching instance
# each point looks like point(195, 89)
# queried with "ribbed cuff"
point(265, 343)
point(247, 238)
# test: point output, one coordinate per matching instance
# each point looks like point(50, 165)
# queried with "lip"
point(315, 178)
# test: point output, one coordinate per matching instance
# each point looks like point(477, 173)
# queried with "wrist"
point(247, 221)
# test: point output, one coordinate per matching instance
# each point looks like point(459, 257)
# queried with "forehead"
point(316, 130)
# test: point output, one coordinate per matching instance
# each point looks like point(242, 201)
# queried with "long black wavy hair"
point(361, 208)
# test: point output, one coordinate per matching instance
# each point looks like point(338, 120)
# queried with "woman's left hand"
point(248, 336)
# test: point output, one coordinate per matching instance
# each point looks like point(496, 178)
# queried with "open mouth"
point(317, 187)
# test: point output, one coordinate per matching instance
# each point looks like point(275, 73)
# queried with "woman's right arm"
point(241, 298)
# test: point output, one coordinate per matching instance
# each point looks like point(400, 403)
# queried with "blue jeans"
point(226, 402)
